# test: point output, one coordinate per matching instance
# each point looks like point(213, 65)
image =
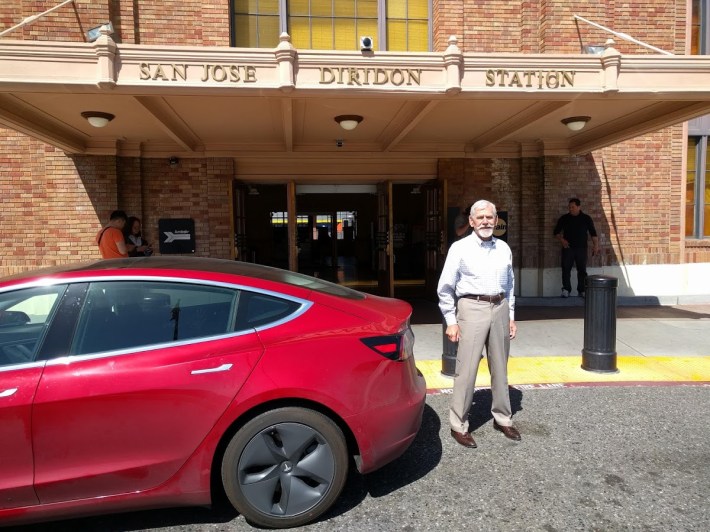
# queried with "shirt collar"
point(484, 243)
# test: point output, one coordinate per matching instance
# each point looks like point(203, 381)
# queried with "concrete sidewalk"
point(653, 344)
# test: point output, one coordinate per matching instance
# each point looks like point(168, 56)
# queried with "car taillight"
point(393, 346)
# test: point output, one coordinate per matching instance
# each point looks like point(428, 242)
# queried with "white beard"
point(485, 233)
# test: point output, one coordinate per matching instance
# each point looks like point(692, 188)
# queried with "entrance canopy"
point(280, 105)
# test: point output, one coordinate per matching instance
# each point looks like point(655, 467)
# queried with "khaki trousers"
point(482, 325)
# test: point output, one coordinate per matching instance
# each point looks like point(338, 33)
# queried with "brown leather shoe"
point(464, 438)
point(510, 432)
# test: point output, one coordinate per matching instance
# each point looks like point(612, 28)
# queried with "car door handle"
point(223, 367)
point(8, 392)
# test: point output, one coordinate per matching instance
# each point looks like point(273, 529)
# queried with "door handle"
point(223, 367)
point(8, 392)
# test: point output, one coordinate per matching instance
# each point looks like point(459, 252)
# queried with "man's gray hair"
point(482, 204)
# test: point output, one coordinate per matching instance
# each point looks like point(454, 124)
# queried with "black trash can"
point(599, 352)
point(448, 354)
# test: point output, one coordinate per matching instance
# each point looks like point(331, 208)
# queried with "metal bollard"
point(448, 355)
point(599, 352)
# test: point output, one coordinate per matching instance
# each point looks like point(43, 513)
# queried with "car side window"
point(258, 310)
point(137, 314)
point(24, 316)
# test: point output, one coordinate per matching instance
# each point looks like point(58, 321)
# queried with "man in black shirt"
point(571, 230)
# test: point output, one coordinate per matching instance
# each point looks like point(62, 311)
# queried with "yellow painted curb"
point(553, 370)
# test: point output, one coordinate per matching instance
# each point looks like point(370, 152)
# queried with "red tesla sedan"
point(137, 383)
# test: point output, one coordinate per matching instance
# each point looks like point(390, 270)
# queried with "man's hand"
point(513, 329)
point(453, 332)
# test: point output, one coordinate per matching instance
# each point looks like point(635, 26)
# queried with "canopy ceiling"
point(280, 104)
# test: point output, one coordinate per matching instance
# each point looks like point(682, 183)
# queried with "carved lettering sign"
point(351, 76)
point(540, 79)
point(370, 76)
point(207, 72)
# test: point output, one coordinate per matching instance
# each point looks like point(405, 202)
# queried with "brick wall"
point(633, 198)
point(188, 22)
point(542, 26)
point(194, 188)
point(52, 205)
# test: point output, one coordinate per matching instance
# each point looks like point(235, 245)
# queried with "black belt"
point(488, 299)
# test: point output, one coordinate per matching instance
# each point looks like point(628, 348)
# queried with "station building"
point(341, 138)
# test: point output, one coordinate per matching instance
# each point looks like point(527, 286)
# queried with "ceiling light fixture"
point(97, 118)
point(576, 123)
point(348, 122)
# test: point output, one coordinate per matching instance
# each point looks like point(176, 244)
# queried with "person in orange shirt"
point(110, 239)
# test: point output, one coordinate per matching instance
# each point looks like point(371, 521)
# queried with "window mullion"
point(382, 25)
point(283, 17)
point(700, 187)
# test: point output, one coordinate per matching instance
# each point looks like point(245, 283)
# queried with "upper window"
point(395, 25)
point(24, 316)
point(697, 182)
point(697, 193)
point(699, 28)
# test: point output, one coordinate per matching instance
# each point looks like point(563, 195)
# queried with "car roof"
point(170, 264)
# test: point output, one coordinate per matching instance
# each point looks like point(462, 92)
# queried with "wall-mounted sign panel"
point(177, 235)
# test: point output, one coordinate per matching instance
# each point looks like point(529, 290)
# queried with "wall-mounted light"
point(97, 118)
point(95, 32)
point(593, 49)
point(575, 123)
point(348, 122)
point(366, 44)
point(173, 161)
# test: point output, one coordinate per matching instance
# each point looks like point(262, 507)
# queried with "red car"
point(143, 383)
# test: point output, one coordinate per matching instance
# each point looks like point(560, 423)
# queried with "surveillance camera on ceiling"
point(365, 44)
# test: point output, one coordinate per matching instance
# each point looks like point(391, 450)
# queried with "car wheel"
point(285, 467)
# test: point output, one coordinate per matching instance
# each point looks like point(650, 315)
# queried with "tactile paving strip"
point(567, 370)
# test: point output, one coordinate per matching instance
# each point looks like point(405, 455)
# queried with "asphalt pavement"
point(591, 458)
point(600, 451)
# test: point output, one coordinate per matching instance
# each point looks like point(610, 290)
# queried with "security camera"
point(366, 44)
point(339, 143)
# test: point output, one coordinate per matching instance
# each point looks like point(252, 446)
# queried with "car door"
point(24, 315)
point(152, 367)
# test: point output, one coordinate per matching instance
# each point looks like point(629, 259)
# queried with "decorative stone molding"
point(611, 65)
point(105, 48)
point(286, 58)
point(453, 59)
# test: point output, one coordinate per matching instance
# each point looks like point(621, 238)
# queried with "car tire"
point(285, 467)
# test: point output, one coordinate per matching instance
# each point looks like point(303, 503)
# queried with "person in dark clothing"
point(571, 230)
point(462, 226)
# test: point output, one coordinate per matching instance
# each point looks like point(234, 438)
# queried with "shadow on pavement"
point(422, 457)
point(483, 400)
point(419, 460)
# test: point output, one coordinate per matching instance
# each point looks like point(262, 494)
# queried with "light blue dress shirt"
point(477, 267)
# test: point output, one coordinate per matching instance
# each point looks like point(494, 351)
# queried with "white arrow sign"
point(175, 236)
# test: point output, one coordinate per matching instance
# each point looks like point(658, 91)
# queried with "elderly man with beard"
point(477, 301)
